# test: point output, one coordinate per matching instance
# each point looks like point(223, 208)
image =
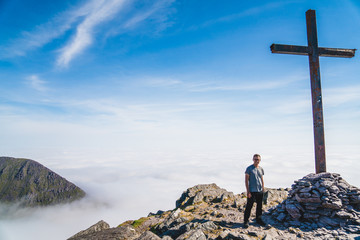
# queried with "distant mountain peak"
point(29, 183)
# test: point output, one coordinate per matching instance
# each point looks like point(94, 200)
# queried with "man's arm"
point(262, 182)
point(247, 176)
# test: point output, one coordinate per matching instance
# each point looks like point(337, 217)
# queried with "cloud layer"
point(129, 185)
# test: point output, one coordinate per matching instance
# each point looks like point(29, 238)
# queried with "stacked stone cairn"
point(316, 201)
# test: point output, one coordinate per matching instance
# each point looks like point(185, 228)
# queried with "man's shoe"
point(246, 224)
point(260, 222)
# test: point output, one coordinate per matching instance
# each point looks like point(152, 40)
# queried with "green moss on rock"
point(138, 222)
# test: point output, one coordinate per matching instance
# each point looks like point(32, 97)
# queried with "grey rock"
point(271, 234)
point(305, 189)
point(195, 234)
point(295, 223)
point(293, 211)
point(159, 212)
point(353, 228)
point(328, 221)
point(334, 189)
point(166, 238)
point(281, 217)
point(334, 204)
point(119, 233)
point(227, 195)
point(238, 236)
point(223, 235)
point(97, 227)
point(253, 233)
point(147, 235)
point(322, 190)
point(200, 193)
point(327, 184)
point(309, 215)
point(208, 226)
point(343, 214)
point(355, 199)
point(171, 220)
point(315, 193)
point(238, 202)
point(311, 206)
point(343, 184)
point(306, 195)
point(313, 176)
point(307, 199)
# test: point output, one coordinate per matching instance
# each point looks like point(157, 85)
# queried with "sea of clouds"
point(129, 185)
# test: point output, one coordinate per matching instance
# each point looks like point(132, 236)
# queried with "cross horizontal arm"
point(336, 52)
point(289, 49)
point(303, 50)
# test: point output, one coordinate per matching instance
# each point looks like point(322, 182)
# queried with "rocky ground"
point(318, 206)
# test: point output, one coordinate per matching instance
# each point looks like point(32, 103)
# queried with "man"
point(254, 183)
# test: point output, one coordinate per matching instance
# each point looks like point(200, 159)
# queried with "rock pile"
point(319, 200)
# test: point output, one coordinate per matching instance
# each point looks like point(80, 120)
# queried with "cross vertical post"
point(314, 52)
point(317, 108)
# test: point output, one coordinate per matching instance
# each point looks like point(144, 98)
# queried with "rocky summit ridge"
point(28, 183)
point(318, 206)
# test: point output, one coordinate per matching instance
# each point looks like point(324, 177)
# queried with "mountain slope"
point(207, 211)
point(30, 183)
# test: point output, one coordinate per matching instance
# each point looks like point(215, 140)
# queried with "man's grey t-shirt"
point(255, 174)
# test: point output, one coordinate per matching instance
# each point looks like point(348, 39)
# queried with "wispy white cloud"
point(147, 13)
point(36, 83)
point(340, 95)
point(241, 87)
point(42, 34)
point(97, 12)
point(219, 85)
point(154, 13)
point(132, 22)
point(163, 82)
point(86, 21)
point(245, 13)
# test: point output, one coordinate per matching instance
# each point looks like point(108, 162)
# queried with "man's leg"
point(249, 205)
point(259, 199)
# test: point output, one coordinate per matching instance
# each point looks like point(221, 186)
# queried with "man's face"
point(256, 160)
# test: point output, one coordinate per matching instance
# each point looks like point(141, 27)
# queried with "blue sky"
point(170, 74)
point(174, 92)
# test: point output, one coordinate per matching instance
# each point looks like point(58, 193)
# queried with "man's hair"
point(256, 155)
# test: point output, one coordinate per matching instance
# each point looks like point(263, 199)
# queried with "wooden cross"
point(313, 51)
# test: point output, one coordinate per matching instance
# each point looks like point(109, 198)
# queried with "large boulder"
point(203, 193)
point(98, 227)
